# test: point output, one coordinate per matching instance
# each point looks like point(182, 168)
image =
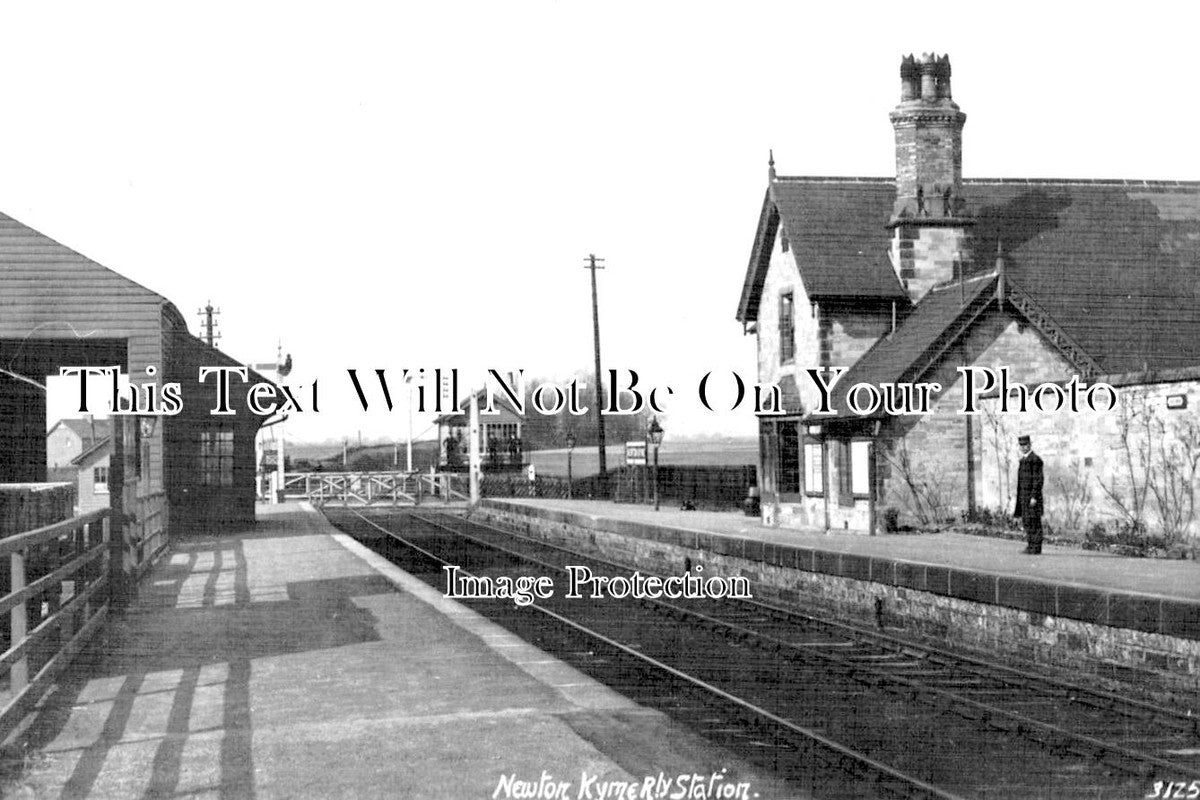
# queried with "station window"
point(854, 462)
point(787, 328)
point(787, 470)
point(502, 431)
point(100, 480)
point(216, 458)
point(814, 483)
point(768, 447)
point(860, 468)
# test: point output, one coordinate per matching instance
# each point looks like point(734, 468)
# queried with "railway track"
point(804, 693)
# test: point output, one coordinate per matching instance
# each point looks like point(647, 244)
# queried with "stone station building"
point(906, 280)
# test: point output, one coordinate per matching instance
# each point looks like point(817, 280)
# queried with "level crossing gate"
point(374, 488)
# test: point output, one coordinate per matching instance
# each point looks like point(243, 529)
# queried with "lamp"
point(655, 433)
point(148, 424)
point(570, 452)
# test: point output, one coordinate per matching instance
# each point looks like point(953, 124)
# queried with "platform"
point(1152, 595)
point(288, 661)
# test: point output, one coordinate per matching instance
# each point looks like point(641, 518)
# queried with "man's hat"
point(1022, 440)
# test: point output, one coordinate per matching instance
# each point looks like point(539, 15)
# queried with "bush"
point(1128, 538)
point(996, 518)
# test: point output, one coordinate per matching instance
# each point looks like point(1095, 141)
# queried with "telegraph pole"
point(281, 367)
point(593, 265)
point(208, 312)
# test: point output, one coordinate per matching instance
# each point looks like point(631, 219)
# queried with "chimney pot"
point(910, 77)
point(929, 76)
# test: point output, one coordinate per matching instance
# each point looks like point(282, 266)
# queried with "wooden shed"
point(60, 309)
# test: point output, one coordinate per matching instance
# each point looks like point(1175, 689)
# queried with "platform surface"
point(1175, 579)
point(288, 661)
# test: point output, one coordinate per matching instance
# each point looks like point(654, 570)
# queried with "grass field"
point(586, 461)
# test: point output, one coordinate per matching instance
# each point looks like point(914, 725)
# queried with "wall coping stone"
point(1149, 613)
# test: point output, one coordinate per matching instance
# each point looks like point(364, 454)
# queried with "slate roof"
point(92, 452)
point(836, 228)
point(1115, 264)
point(83, 429)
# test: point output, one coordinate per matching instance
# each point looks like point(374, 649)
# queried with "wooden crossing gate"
point(374, 488)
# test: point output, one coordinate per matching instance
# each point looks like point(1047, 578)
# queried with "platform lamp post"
point(408, 384)
point(655, 433)
point(570, 475)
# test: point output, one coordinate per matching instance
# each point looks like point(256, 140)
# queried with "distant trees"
point(544, 432)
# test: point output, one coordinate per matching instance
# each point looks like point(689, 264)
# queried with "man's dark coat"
point(1029, 487)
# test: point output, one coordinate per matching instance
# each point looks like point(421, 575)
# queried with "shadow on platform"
point(183, 651)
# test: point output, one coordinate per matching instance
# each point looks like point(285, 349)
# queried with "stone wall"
point(936, 444)
point(1097, 461)
point(782, 277)
point(1124, 642)
point(925, 256)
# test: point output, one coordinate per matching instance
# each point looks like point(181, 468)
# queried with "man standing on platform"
point(1029, 496)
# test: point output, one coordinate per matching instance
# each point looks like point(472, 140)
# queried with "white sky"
point(406, 185)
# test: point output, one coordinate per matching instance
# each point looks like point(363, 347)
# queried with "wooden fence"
point(714, 488)
point(55, 598)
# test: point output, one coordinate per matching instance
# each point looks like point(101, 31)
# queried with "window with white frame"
point(860, 468)
point(100, 480)
point(787, 328)
point(814, 483)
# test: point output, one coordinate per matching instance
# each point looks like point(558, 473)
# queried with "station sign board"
point(635, 454)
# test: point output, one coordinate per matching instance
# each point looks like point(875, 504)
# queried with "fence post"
point(117, 587)
point(83, 540)
point(18, 618)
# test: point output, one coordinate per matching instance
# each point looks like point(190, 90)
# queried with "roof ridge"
point(999, 181)
point(832, 179)
point(1082, 182)
point(952, 283)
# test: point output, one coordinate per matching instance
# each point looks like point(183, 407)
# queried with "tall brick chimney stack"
point(930, 217)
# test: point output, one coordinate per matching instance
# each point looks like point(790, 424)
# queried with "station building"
point(500, 444)
point(192, 471)
point(905, 279)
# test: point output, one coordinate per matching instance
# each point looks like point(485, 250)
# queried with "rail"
point(55, 600)
point(888, 780)
point(1167, 732)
